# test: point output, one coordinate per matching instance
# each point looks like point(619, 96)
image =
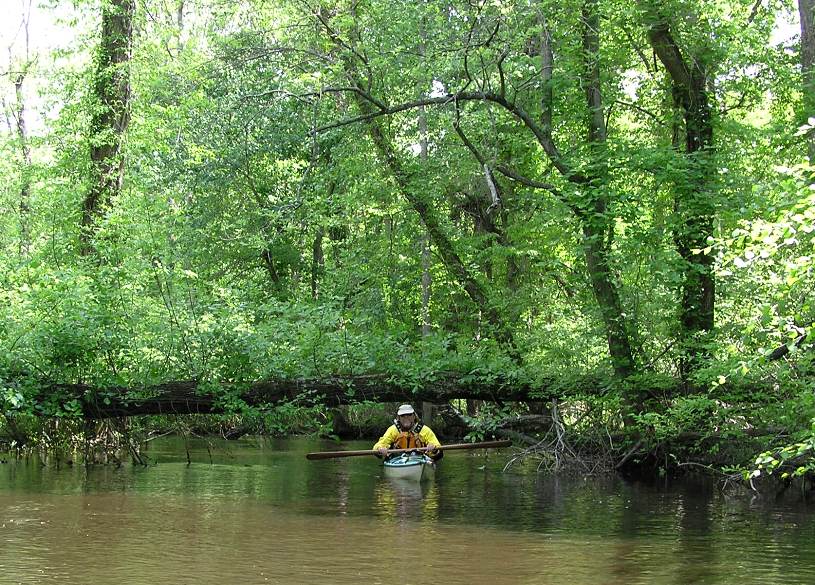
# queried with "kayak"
point(412, 466)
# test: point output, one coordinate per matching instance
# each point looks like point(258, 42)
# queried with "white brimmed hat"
point(405, 409)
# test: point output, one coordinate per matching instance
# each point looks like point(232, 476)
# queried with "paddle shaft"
point(482, 445)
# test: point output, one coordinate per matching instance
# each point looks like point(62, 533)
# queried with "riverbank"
point(740, 462)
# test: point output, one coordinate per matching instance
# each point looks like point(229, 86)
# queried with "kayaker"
point(408, 432)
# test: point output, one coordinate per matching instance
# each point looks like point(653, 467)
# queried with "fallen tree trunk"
point(193, 397)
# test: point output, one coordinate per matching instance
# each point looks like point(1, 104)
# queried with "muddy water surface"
point(258, 512)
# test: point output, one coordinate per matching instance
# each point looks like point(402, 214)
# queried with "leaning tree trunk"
point(693, 200)
point(595, 220)
point(111, 113)
point(440, 239)
point(421, 205)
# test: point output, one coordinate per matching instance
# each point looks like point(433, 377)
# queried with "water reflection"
point(407, 500)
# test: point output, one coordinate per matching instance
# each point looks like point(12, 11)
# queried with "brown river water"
point(257, 512)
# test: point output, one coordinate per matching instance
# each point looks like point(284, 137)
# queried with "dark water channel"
point(258, 512)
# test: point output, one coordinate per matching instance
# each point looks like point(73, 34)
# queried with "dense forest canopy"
point(602, 203)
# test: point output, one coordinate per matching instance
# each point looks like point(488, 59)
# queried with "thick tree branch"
point(671, 57)
point(543, 138)
point(421, 205)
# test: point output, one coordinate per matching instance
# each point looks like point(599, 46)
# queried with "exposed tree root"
point(555, 452)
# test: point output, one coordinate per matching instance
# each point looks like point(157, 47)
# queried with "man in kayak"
point(408, 432)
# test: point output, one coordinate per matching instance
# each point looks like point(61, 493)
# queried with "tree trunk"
point(424, 241)
point(608, 300)
point(592, 212)
point(179, 21)
point(427, 286)
point(188, 397)
point(111, 113)
point(693, 200)
point(598, 227)
point(442, 242)
point(24, 206)
point(428, 408)
point(806, 9)
point(25, 169)
point(317, 263)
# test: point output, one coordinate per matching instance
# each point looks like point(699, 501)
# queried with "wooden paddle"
point(482, 445)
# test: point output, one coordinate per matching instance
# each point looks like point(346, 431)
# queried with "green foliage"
point(489, 419)
point(792, 460)
point(699, 415)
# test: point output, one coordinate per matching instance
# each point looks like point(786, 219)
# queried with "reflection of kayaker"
point(406, 499)
point(408, 432)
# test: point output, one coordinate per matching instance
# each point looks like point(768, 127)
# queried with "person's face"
point(406, 420)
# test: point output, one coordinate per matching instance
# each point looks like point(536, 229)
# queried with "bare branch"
point(503, 86)
point(504, 170)
point(516, 176)
point(485, 83)
point(470, 146)
point(493, 34)
point(739, 104)
point(496, 199)
point(642, 110)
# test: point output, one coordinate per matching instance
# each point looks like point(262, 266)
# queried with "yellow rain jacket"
point(419, 436)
